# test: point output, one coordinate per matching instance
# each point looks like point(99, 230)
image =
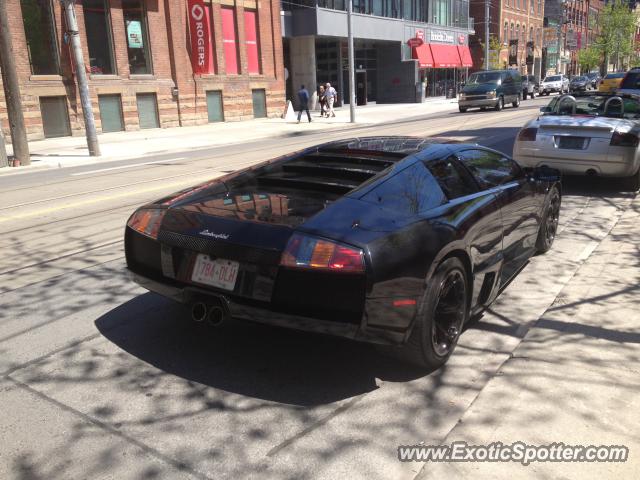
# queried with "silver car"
point(590, 135)
point(554, 83)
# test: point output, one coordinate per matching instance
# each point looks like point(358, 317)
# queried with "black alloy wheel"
point(448, 316)
point(441, 317)
point(549, 224)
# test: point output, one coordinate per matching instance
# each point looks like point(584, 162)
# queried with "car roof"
point(399, 145)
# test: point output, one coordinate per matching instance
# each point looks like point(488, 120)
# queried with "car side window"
point(490, 169)
point(453, 182)
point(411, 191)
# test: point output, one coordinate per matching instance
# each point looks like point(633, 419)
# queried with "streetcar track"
point(298, 142)
point(61, 257)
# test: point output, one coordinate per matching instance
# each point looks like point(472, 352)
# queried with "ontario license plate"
point(573, 143)
point(219, 273)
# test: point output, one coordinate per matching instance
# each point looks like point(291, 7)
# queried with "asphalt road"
point(100, 379)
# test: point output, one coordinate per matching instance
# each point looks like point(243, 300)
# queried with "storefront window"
point(252, 42)
point(39, 28)
point(230, 39)
point(135, 21)
point(98, 27)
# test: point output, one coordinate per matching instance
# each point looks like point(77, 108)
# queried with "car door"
point(508, 86)
point(519, 201)
point(475, 214)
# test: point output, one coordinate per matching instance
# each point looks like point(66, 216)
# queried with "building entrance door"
point(361, 87)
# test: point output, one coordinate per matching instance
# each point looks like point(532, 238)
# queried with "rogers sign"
point(200, 37)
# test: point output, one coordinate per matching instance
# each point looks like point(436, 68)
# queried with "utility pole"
point(12, 92)
point(352, 73)
point(81, 76)
point(486, 34)
point(4, 160)
point(560, 24)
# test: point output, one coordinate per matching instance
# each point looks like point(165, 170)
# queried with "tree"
point(616, 26)
point(589, 58)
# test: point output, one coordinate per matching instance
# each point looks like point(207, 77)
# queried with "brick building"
point(518, 26)
point(137, 54)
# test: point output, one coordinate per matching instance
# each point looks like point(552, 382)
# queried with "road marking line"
point(127, 166)
point(104, 198)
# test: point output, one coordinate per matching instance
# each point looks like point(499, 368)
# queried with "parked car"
point(554, 83)
point(491, 88)
point(611, 82)
point(579, 84)
point(589, 135)
point(594, 79)
point(393, 240)
point(630, 82)
point(530, 86)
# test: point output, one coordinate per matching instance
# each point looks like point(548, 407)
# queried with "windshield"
point(594, 106)
point(615, 75)
point(555, 78)
point(579, 79)
point(484, 77)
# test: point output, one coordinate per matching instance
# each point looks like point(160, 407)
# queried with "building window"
point(135, 21)
point(40, 31)
point(147, 110)
point(230, 40)
point(252, 41)
point(512, 36)
point(259, 99)
point(215, 112)
point(55, 117)
point(505, 34)
point(98, 27)
point(111, 113)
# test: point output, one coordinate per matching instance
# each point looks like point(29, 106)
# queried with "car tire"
point(483, 109)
point(549, 222)
point(462, 109)
point(442, 314)
point(500, 105)
point(632, 183)
point(516, 102)
point(533, 95)
point(524, 95)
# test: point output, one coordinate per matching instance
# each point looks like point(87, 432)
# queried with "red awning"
point(423, 55)
point(465, 55)
point(445, 56)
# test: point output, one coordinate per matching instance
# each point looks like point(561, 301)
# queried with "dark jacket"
point(303, 97)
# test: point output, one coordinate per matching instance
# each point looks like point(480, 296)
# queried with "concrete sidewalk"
point(574, 378)
point(72, 151)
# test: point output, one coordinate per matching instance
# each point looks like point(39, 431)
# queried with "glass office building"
point(405, 50)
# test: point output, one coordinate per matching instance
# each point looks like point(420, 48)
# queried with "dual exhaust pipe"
point(215, 315)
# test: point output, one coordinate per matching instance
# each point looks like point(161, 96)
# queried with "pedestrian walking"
point(323, 100)
point(303, 98)
point(330, 94)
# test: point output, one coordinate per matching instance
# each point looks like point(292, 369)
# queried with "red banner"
point(201, 51)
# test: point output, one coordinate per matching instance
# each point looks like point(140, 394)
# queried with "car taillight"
point(528, 134)
point(620, 139)
point(147, 221)
point(304, 251)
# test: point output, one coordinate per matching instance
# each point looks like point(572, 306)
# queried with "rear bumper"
point(361, 332)
point(572, 167)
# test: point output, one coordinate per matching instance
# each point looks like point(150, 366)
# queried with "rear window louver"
point(331, 170)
